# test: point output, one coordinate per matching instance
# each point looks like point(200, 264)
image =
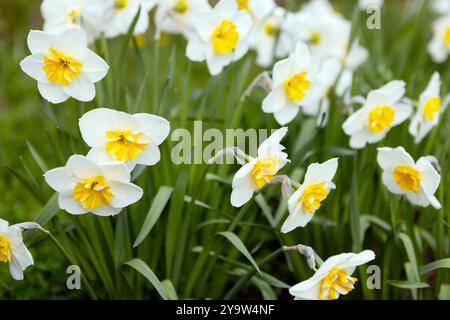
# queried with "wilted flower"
point(119, 15)
point(439, 47)
point(13, 250)
point(60, 15)
point(221, 37)
point(86, 186)
point(259, 171)
point(429, 111)
point(119, 136)
point(382, 110)
point(418, 181)
point(175, 16)
point(293, 85)
point(63, 65)
point(333, 277)
point(308, 198)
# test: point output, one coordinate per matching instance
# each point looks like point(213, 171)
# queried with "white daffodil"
point(119, 15)
point(439, 47)
point(440, 6)
point(324, 30)
point(333, 277)
point(381, 111)
point(119, 136)
point(260, 171)
point(60, 15)
point(418, 181)
point(367, 4)
point(264, 35)
point(308, 198)
point(293, 85)
point(350, 61)
point(175, 16)
point(429, 111)
point(221, 37)
point(63, 65)
point(12, 249)
point(86, 186)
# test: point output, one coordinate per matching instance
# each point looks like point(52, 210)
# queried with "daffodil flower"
point(430, 108)
point(293, 85)
point(259, 171)
point(439, 46)
point(119, 15)
point(308, 198)
point(221, 37)
point(382, 110)
point(86, 186)
point(60, 15)
point(175, 16)
point(333, 278)
point(417, 181)
point(12, 249)
point(63, 65)
point(119, 136)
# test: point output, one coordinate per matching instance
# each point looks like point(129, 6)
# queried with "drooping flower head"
point(86, 186)
point(307, 199)
point(260, 171)
point(417, 181)
point(63, 65)
point(119, 136)
point(333, 277)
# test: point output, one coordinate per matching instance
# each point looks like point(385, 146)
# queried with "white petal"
point(124, 194)
point(286, 114)
point(389, 158)
point(59, 180)
point(33, 66)
point(153, 127)
point(391, 185)
point(82, 167)
point(394, 90)
point(94, 66)
point(150, 156)
point(81, 88)
point(355, 122)
point(275, 101)
point(39, 41)
point(320, 172)
point(68, 203)
point(271, 146)
point(52, 92)
point(116, 171)
point(242, 192)
point(402, 112)
point(72, 42)
point(106, 211)
point(94, 124)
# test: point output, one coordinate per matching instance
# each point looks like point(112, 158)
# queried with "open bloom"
point(119, 136)
point(175, 16)
point(221, 37)
point(304, 202)
point(417, 181)
point(293, 85)
point(439, 46)
point(429, 111)
point(333, 277)
point(13, 250)
point(382, 110)
point(119, 15)
point(60, 15)
point(63, 65)
point(259, 171)
point(86, 186)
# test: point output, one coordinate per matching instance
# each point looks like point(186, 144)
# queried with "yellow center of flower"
point(125, 145)
point(432, 106)
point(380, 118)
point(243, 4)
point(447, 36)
point(270, 29)
point(181, 7)
point(5, 249)
point(120, 4)
point(313, 195)
point(60, 68)
point(297, 86)
point(225, 37)
point(264, 170)
point(315, 38)
point(92, 193)
point(336, 282)
point(407, 178)
point(74, 16)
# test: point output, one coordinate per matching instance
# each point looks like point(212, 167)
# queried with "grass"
point(183, 239)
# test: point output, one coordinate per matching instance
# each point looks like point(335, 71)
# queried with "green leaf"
point(27, 184)
point(141, 267)
point(49, 211)
point(158, 205)
point(444, 292)
point(407, 284)
point(234, 239)
point(438, 264)
point(37, 158)
point(169, 289)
